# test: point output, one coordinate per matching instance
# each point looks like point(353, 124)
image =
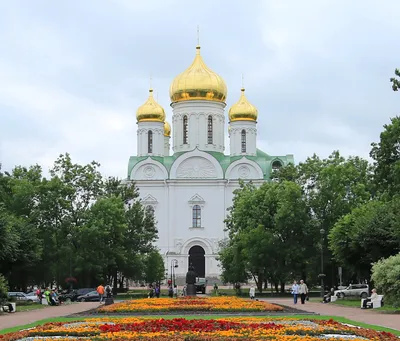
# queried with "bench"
point(376, 303)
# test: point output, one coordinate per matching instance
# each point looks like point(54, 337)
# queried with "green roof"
point(263, 159)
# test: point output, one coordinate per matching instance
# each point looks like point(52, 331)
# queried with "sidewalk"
point(22, 318)
point(356, 314)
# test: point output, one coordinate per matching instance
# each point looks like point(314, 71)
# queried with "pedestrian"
point(216, 289)
point(295, 291)
point(39, 295)
point(100, 291)
point(157, 291)
point(252, 292)
point(175, 291)
point(47, 295)
point(303, 291)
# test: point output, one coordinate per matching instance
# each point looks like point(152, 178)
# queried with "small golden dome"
point(167, 129)
point(243, 110)
point(198, 82)
point(150, 111)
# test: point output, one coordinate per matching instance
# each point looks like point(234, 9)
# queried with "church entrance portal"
point(196, 257)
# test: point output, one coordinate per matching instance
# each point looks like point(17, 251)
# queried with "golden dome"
point(167, 129)
point(150, 111)
point(243, 110)
point(198, 82)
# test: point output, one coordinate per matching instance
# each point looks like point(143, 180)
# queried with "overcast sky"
point(72, 73)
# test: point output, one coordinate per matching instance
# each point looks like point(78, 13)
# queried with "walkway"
point(369, 316)
point(26, 317)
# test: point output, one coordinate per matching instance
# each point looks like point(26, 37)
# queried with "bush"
point(3, 290)
point(386, 276)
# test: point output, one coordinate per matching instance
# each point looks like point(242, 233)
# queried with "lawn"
point(208, 317)
point(29, 307)
point(357, 303)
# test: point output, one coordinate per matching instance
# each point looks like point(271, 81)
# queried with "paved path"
point(356, 314)
point(26, 317)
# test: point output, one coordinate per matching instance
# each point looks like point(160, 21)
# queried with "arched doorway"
point(197, 259)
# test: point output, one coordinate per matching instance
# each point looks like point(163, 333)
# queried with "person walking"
point(252, 292)
point(295, 291)
point(100, 291)
point(303, 291)
point(39, 295)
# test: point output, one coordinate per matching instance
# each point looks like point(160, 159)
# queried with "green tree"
point(154, 270)
point(386, 155)
point(3, 290)
point(332, 188)
point(395, 81)
point(370, 232)
point(385, 275)
point(268, 231)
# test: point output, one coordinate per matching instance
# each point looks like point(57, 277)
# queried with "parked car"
point(201, 285)
point(357, 290)
point(20, 296)
point(72, 296)
point(89, 297)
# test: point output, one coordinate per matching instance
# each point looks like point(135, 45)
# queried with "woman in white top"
point(303, 291)
point(295, 291)
point(252, 292)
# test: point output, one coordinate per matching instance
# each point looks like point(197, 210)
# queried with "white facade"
point(194, 134)
point(243, 138)
point(150, 139)
point(195, 178)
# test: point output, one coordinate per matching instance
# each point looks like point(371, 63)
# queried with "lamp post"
point(322, 275)
point(174, 264)
point(69, 237)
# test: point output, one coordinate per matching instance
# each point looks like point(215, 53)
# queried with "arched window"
point(150, 142)
point(185, 129)
point(196, 216)
point(210, 130)
point(243, 141)
point(276, 165)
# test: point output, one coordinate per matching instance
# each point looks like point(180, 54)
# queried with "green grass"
point(30, 307)
point(357, 303)
point(207, 317)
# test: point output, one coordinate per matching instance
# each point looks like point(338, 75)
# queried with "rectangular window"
point(196, 221)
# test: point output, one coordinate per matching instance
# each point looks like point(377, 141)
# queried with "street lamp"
point(69, 237)
point(174, 264)
point(322, 275)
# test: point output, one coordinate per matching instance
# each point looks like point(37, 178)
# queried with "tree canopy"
point(73, 224)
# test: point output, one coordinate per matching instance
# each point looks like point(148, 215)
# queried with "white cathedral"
point(190, 190)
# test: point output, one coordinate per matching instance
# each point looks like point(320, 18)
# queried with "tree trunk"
point(115, 280)
point(282, 287)
point(276, 284)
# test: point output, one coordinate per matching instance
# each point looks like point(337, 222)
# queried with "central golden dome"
point(198, 82)
point(243, 110)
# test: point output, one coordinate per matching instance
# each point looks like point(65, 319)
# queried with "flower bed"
point(201, 304)
point(235, 329)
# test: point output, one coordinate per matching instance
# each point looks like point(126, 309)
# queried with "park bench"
point(8, 308)
point(376, 303)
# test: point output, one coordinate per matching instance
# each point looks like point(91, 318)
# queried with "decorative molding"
point(149, 172)
point(196, 168)
point(196, 199)
point(149, 200)
point(244, 172)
